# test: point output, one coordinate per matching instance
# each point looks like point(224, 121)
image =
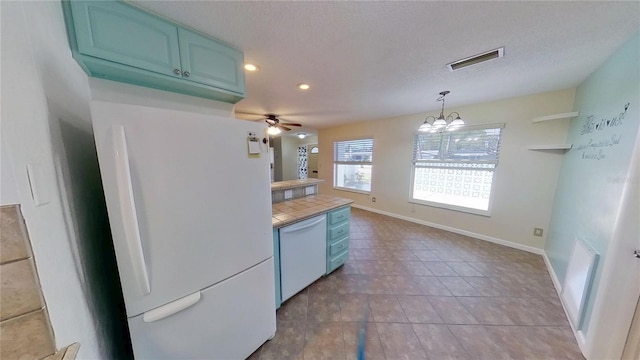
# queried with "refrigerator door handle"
point(128, 209)
point(171, 308)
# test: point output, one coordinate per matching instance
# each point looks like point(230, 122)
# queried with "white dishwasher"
point(303, 254)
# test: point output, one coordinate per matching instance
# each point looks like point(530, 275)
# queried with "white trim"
point(468, 210)
point(488, 238)
point(556, 117)
point(363, 192)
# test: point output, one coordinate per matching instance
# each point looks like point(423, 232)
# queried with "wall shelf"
point(551, 147)
point(556, 117)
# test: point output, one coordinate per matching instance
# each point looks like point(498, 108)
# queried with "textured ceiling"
point(369, 60)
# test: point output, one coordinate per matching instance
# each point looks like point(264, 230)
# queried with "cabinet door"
point(121, 33)
point(209, 62)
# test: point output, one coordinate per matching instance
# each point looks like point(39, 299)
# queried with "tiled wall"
point(25, 331)
point(298, 192)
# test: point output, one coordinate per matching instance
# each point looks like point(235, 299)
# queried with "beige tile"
point(479, 342)
point(294, 309)
point(372, 347)
point(27, 336)
point(419, 310)
point(458, 286)
point(487, 310)
point(71, 351)
point(416, 268)
point(463, 268)
point(13, 235)
point(288, 344)
point(432, 286)
point(354, 307)
point(533, 342)
point(399, 342)
point(426, 255)
point(20, 289)
point(451, 310)
point(404, 285)
point(386, 308)
point(324, 341)
point(323, 307)
point(439, 342)
point(439, 268)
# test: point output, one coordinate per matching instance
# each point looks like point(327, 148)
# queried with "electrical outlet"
point(373, 199)
point(537, 231)
point(288, 194)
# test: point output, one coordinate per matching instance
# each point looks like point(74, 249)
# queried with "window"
point(352, 164)
point(454, 169)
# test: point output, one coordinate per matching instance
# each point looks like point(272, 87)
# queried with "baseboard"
point(490, 239)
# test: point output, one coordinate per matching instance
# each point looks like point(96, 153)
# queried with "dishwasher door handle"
point(292, 228)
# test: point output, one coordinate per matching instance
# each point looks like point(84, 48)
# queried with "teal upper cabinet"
point(209, 62)
point(120, 42)
point(117, 32)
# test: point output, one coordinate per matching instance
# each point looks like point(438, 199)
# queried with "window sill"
point(486, 213)
point(364, 192)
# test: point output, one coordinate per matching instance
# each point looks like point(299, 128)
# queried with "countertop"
point(290, 184)
point(291, 211)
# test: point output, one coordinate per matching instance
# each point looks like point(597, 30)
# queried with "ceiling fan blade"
point(291, 124)
point(270, 122)
point(283, 127)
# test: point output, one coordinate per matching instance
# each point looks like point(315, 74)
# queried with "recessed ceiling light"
point(303, 86)
point(251, 67)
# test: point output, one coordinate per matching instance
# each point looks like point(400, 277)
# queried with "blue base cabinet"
point(338, 223)
point(276, 266)
point(117, 41)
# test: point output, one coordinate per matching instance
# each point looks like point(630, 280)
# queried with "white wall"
point(41, 85)
point(524, 182)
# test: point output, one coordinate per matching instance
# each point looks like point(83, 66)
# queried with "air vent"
point(477, 59)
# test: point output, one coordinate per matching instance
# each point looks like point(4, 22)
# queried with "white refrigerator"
point(190, 215)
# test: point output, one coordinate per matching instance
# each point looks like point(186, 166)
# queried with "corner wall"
point(594, 173)
point(524, 181)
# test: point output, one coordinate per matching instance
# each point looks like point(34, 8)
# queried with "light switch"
point(39, 183)
point(309, 190)
point(288, 194)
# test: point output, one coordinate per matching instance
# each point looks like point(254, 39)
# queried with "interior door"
point(118, 32)
point(312, 151)
point(188, 206)
point(209, 62)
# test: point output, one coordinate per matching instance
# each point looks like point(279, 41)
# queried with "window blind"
point(467, 147)
point(353, 151)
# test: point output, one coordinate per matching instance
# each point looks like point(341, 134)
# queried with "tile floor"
point(430, 294)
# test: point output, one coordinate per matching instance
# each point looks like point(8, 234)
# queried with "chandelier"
point(449, 123)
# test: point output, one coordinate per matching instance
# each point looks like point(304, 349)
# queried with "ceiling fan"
point(274, 121)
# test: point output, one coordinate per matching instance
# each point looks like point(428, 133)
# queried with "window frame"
point(458, 208)
point(335, 163)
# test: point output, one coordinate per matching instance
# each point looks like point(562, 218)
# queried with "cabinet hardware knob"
point(186, 73)
point(176, 71)
point(637, 254)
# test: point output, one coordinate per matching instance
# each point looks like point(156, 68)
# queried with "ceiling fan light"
point(273, 130)
point(302, 135)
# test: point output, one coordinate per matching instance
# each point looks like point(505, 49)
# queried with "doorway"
point(312, 151)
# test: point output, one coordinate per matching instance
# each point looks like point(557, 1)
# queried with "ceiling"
point(371, 60)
